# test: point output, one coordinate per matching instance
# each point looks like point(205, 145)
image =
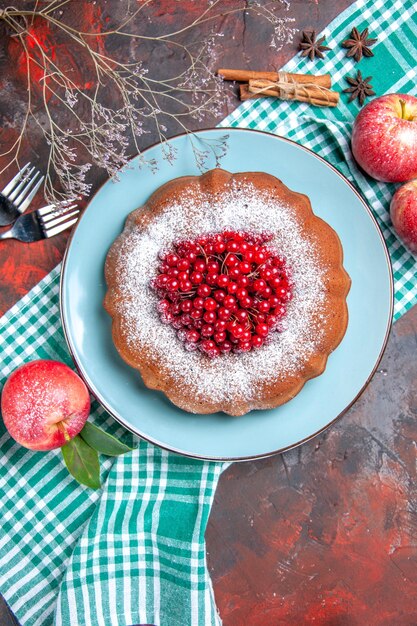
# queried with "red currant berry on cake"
point(196, 278)
point(262, 329)
point(204, 290)
point(234, 273)
point(257, 341)
point(213, 267)
point(244, 267)
point(172, 260)
point(222, 280)
point(220, 326)
point(212, 279)
point(219, 295)
point(231, 260)
point(224, 292)
point(200, 265)
point(210, 304)
point(192, 335)
point(183, 264)
point(198, 303)
point(209, 317)
point(223, 313)
point(173, 284)
point(259, 285)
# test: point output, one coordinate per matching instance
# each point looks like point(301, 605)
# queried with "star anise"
point(312, 47)
point(360, 88)
point(359, 44)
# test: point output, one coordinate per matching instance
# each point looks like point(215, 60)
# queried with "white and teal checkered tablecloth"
point(134, 552)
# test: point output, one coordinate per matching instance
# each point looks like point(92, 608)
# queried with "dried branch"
point(103, 131)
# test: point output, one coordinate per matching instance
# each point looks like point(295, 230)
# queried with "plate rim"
point(264, 455)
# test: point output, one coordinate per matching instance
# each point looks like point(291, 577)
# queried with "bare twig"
point(99, 134)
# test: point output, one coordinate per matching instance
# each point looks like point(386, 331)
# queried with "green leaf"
point(82, 462)
point(102, 441)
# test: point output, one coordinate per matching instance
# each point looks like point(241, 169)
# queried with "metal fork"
point(42, 224)
point(18, 194)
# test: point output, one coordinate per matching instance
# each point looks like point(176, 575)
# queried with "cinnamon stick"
point(290, 91)
point(244, 76)
point(245, 94)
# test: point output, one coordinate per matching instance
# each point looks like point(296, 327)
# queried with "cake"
point(226, 292)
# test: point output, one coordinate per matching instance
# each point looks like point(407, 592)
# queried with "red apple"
point(44, 404)
point(384, 138)
point(404, 214)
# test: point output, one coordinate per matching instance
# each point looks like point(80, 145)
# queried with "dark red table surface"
point(325, 534)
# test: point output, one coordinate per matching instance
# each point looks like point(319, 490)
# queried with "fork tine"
point(58, 220)
point(59, 229)
point(25, 180)
point(14, 180)
point(49, 213)
point(25, 190)
point(45, 210)
point(24, 205)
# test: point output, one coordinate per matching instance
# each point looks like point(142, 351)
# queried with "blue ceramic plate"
point(259, 433)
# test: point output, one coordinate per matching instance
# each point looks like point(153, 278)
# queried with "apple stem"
point(404, 114)
point(63, 429)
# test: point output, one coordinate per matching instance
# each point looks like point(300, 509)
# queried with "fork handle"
point(8, 234)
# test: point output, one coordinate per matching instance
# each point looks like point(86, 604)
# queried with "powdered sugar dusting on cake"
point(229, 377)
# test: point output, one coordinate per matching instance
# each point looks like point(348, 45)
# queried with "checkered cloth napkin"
point(134, 552)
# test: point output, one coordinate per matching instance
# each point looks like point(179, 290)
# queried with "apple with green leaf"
point(384, 138)
point(45, 405)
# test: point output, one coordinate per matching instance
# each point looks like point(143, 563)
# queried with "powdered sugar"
point(232, 376)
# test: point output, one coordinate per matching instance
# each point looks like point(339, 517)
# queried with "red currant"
point(231, 260)
point(198, 303)
point(219, 295)
point(257, 341)
point(244, 267)
point(229, 302)
point(186, 285)
point(264, 306)
point(196, 314)
point(243, 281)
point(209, 317)
point(234, 272)
point(161, 280)
point(183, 264)
point(211, 279)
point(222, 280)
point(204, 290)
point(173, 284)
point(241, 293)
point(207, 330)
point(262, 329)
point(224, 314)
point(210, 304)
point(259, 285)
point(199, 266)
point(172, 260)
point(196, 278)
point(220, 326)
point(213, 267)
point(193, 336)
